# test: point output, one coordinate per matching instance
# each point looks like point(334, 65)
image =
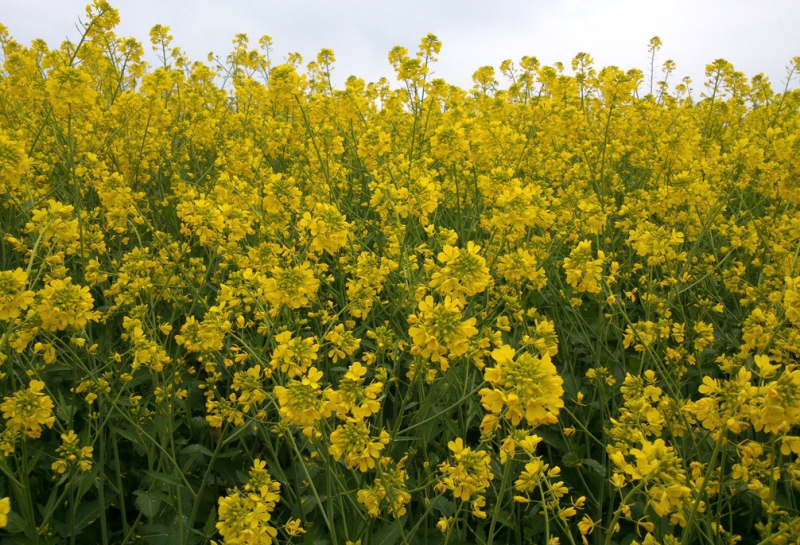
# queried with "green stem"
point(500, 496)
point(618, 513)
point(690, 521)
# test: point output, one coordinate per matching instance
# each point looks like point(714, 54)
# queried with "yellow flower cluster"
point(29, 410)
point(659, 468)
point(390, 490)
point(523, 387)
point(14, 298)
point(461, 271)
point(468, 477)
point(353, 441)
point(71, 454)
point(583, 271)
point(438, 332)
point(301, 400)
point(245, 515)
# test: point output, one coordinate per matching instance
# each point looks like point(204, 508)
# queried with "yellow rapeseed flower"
point(5, 509)
point(461, 271)
point(527, 387)
point(300, 400)
point(293, 355)
point(14, 298)
point(438, 332)
point(29, 410)
point(583, 271)
point(71, 454)
point(353, 441)
point(62, 304)
point(469, 475)
point(293, 287)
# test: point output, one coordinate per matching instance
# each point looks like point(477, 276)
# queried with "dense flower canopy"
point(241, 305)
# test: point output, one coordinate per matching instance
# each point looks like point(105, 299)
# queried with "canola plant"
point(239, 305)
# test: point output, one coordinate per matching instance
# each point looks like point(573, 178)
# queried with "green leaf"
point(156, 534)
point(86, 513)
point(88, 480)
point(48, 509)
point(211, 523)
point(388, 535)
point(193, 452)
point(232, 453)
point(163, 477)
point(553, 439)
point(444, 506)
point(309, 503)
point(147, 503)
point(197, 449)
point(595, 466)
point(64, 408)
point(134, 438)
point(199, 423)
point(570, 459)
point(16, 523)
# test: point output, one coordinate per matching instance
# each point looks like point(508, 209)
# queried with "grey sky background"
point(754, 36)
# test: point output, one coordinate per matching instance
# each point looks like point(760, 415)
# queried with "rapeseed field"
point(239, 305)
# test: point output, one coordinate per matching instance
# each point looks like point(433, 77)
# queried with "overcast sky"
point(754, 36)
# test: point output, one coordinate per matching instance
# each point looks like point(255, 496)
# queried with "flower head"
point(29, 410)
point(526, 387)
